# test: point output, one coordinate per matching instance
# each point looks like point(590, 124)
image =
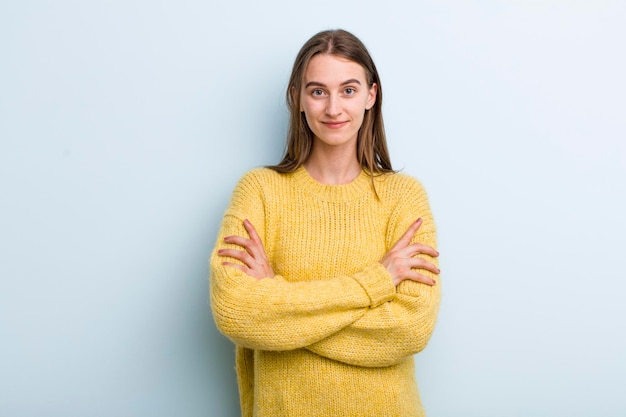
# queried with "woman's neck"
point(333, 168)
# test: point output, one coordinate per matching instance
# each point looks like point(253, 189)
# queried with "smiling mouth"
point(334, 125)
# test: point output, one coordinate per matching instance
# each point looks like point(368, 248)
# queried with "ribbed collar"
point(359, 188)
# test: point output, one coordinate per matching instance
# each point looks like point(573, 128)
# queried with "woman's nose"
point(333, 107)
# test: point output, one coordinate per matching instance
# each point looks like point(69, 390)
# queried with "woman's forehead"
point(333, 69)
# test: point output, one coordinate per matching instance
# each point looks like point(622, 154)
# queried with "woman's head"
point(371, 142)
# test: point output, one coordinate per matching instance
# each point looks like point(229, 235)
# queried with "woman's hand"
point(254, 259)
point(401, 262)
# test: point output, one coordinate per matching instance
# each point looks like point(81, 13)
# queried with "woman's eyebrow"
point(318, 84)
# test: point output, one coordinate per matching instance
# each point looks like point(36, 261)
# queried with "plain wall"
point(124, 126)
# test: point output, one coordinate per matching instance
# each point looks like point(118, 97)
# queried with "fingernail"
point(418, 220)
point(433, 281)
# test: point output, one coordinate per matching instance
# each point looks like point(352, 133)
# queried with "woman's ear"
point(371, 99)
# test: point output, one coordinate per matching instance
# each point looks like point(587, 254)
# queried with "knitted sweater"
point(329, 335)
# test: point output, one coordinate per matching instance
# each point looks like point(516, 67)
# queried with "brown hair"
point(372, 151)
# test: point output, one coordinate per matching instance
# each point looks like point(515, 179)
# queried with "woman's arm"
point(273, 313)
point(361, 319)
point(387, 334)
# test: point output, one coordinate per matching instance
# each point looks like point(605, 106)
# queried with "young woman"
point(325, 270)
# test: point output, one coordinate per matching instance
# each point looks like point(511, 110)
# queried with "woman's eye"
point(317, 92)
point(350, 91)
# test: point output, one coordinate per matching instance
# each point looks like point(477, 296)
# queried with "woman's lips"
point(334, 125)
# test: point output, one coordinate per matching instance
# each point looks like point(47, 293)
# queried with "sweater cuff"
point(377, 283)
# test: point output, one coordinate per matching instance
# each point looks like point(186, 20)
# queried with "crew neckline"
point(358, 188)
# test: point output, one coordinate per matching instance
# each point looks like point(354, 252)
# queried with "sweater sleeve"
point(276, 314)
point(388, 333)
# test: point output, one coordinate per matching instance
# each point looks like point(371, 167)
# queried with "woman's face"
point(335, 94)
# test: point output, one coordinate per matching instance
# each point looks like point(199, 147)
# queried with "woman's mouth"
point(334, 125)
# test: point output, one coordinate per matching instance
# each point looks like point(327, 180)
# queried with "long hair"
point(372, 151)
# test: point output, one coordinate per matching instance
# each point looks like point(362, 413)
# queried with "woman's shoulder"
point(406, 197)
point(398, 184)
point(262, 174)
point(261, 177)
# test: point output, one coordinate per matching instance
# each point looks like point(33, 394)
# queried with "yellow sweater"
point(329, 335)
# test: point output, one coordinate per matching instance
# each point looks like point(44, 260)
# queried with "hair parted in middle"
point(372, 152)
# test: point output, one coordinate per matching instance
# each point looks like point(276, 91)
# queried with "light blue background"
point(124, 126)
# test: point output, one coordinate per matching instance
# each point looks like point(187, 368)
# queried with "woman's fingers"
point(403, 262)
point(253, 246)
point(417, 277)
point(420, 263)
point(247, 244)
point(252, 232)
point(404, 243)
point(406, 238)
point(258, 248)
point(238, 266)
point(240, 255)
point(416, 249)
point(254, 258)
point(411, 268)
